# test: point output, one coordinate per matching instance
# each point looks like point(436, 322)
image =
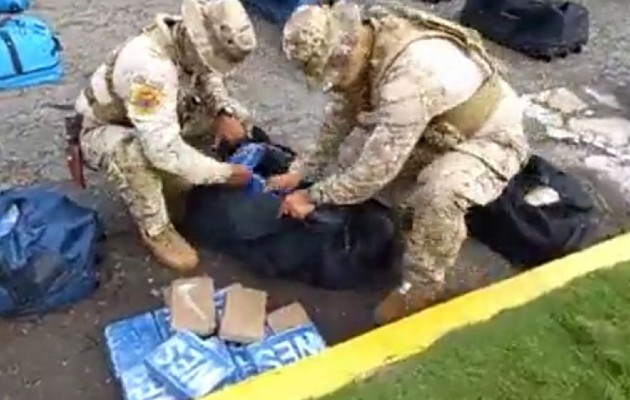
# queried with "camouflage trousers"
point(145, 190)
point(439, 189)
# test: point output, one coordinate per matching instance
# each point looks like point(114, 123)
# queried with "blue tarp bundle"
point(48, 251)
point(151, 361)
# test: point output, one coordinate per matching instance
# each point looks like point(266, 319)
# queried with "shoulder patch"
point(146, 96)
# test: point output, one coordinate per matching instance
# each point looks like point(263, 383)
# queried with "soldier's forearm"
point(218, 99)
point(167, 151)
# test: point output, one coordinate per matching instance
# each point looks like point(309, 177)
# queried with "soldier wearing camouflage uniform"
point(442, 129)
point(157, 89)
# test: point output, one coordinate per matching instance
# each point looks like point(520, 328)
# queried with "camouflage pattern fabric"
point(400, 163)
point(142, 105)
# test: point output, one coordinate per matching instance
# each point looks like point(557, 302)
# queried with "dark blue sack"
point(14, 6)
point(48, 251)
point(30, 53)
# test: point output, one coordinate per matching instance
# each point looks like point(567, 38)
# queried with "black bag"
point(526, 235)
point(541, 29)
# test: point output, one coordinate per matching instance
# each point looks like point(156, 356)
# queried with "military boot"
point(172, 250)
point(407, 299)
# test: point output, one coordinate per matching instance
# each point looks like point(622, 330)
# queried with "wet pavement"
point(62, 355)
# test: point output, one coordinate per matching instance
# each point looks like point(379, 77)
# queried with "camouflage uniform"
point(442, 130)
point(156, 90)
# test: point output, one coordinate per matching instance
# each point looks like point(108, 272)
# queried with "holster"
point(74, 155)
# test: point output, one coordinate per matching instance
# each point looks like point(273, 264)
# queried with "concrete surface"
point(62, 355)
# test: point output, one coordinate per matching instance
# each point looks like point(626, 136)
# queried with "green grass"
point(573, 343)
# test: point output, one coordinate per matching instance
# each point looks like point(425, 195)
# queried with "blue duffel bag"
point(30, 53)
point(14, 6)
point(49, 249)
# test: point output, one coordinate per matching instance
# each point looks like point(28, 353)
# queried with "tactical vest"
point(398, 26)
point(115, 112)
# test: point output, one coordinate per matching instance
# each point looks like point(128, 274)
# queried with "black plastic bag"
point(541, 29)
point(528, 235)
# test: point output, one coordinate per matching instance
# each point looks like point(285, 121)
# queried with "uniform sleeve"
point(402, 114)
point(152, 108)
point(339, 119)
point(217, 97)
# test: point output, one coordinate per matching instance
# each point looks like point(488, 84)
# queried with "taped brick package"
point(244, 317)
point(192, 305)
point(288, 317)
point(157, 356)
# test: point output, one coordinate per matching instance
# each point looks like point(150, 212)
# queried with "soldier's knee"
point(437, 198)
point(128, 154)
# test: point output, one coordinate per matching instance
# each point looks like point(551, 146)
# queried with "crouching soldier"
point(156, 89)
point(443, 130)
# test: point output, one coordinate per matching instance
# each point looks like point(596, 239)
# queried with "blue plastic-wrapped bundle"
point(138, 385)
point(286, 348)
point(245, 367)
point(163, 322)
point(190, 367)
point(130, 340)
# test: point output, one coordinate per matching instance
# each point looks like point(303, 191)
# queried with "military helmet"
point(320, 39)
point(220, 31)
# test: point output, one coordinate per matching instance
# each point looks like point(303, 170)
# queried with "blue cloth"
point(48, 251)
point(250, 155)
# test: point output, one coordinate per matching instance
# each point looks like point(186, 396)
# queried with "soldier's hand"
point(287, 181)
point(228, 128)
point(297, 205)
point(240, 176)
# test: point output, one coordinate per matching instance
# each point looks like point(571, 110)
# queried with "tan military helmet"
point(320, 38)
point(220, 30)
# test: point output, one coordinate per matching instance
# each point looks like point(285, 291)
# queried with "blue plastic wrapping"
point(245, 367)
point(153, 362)
point(49, 247)
point(191, 367)
point(138, 385)
point(286, 348)
point(130, 340)
point(249, 156)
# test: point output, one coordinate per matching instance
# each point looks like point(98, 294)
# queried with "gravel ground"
point(62, 354)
